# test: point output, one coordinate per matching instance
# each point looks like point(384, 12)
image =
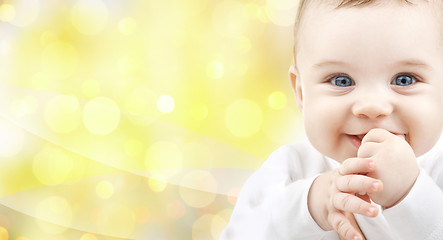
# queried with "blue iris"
point(342, 81)
point(403, 80)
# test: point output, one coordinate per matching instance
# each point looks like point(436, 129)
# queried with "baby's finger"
point(377, 135)
point(358, 184)
point(342, 226)
point(367, 149)
point(350, 203)
point(356, 166)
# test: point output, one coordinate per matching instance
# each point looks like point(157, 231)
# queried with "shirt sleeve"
point(420, 214)
point(273, 205)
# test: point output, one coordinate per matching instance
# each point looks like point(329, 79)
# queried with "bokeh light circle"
point(54, 209)
point(104, 189)
point(90, 17)
point(198, 188)
point(101, 115)
point(62, 114)
point(52, 165)
point(243, 118)
point(157, 183)
point(217, 225)
point(277, 100)
point(165, 104)
point(211, 222)
point(199, 111)
point(225, 213)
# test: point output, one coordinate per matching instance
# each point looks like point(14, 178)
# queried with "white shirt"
point(273, 202)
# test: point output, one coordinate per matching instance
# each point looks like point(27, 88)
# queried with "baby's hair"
point(304, 4)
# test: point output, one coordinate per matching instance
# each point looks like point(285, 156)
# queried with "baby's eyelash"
point(335, 75)
point(414, 76)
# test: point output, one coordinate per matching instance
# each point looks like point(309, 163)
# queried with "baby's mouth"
point(356, 139)
point(361, 136)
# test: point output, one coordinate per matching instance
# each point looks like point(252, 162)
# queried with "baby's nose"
point(372, 107)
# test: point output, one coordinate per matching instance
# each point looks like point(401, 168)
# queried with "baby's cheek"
point(422, 142)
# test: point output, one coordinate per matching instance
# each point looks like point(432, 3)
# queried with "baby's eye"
point(403, 80)
point(342, 81)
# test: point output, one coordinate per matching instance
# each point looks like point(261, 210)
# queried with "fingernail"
point(356, 238)
point(375, 186)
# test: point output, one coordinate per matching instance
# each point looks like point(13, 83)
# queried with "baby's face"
point(371, 67)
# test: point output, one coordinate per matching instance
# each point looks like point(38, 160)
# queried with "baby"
point(368, 78)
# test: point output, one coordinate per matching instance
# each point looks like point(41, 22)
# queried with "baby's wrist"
point(316, 204)
point(402, 194)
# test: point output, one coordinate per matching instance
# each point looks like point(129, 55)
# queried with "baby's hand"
point(395, 165)
point(333, 197)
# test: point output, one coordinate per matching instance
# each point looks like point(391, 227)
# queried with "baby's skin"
point(384, 171)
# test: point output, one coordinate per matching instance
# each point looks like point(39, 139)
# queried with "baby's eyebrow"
point(408, 63)
point(413, 63)
point(329, 63)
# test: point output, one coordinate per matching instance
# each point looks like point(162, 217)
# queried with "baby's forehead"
point(312, 8)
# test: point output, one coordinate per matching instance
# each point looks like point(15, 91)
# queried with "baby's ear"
point(294, 78)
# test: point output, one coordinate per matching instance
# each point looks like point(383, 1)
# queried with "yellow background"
point(138, 119)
